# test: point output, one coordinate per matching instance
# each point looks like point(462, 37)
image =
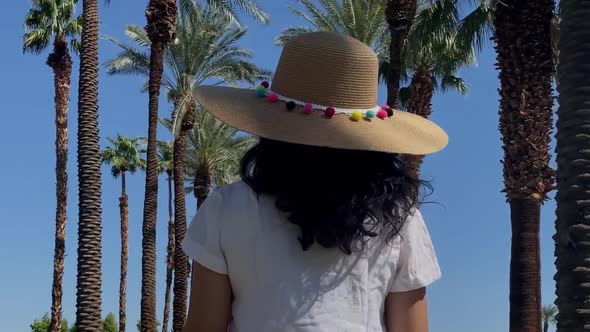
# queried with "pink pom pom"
point(329, 112)
point(385, 107)
point(382, 114)
point(273, 98)
point(308, 108)
point(265, 84)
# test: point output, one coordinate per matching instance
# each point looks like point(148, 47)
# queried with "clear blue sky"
point(470, 227)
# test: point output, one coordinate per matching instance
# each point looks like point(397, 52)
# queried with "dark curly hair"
point(338, 198)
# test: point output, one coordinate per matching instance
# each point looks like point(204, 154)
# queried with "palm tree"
point(89, 279)
point(572, 226)
point(166, 165)
point(399, 15)
point(524, 54)
point(213, 154)
point(432, 55)
point(204, 49)
point(124, 155)
point(44, 21)
point(548, 314)
point(160, 15)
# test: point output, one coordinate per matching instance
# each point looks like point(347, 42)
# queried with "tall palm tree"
point(204, 48)
point(160, 16)
point(524, 54)
point(89, 279)
point(166, 165)
point(399, 15)
point(431, 57)
point(124, 155)
point(46, 20)
point(548, 314)
point(572, 226)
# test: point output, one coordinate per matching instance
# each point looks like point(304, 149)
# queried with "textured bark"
point(124, 212)
point(61, 64)
point(400, 15)
point(525, 265)
point(181, 264)
point(523, 46)
point(89, 279)
point(150, 208)
point(169, 256)
point(420, 103)
point(161, 17)
point(202, 185)
point(572, 239)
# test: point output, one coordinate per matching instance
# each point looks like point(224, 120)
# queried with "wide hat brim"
point(403, 133)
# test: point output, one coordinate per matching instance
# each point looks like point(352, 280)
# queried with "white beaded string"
point(323, 107)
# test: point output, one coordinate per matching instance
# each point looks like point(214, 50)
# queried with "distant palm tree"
point(46, 20)
point(213, 154)
point(166, 165)
point(573, 214)
point(548, 316)
point(89, 279)
point(124, 155)
point(430, 58)
point(204, 48)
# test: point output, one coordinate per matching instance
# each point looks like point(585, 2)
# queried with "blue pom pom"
point(261, 93)
point(370, 114)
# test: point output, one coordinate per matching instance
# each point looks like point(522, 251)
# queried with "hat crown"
point(328, 68)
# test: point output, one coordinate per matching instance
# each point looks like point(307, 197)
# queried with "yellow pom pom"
point(261, 87)
point(356, 115)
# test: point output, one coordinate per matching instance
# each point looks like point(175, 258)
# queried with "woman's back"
point(277, 286)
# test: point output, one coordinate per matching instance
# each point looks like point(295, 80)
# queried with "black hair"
point(337, 197)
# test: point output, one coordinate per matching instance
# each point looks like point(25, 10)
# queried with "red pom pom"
point(265, 84)
point(273, 98)
point(382, 114)
point(329, 112)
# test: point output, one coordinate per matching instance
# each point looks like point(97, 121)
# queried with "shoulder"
point(234, 193)
point(231, 199)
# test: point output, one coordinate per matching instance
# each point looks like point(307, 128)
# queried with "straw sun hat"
point(324, 93)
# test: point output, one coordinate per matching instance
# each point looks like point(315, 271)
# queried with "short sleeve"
point(417, 265)
point(203, 238)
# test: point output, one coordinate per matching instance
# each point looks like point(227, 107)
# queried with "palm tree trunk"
point(89, 280)
point(170, 255)
point(572, 248)
point(400, 15)
point(124, 211)
point(202, 185)
point(525, 265)
point(161, 17)
point(150, 208)
point(181, 264)
point(420, 103)
point(61, 64)
point(545, 326)
point(523, 46)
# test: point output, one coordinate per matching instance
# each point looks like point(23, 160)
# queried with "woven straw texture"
point(327, 69)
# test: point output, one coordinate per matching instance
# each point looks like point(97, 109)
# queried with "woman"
point(322, 233)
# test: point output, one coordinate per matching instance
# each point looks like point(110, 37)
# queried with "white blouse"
point(279, 287)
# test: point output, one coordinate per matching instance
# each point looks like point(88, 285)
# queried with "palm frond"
point(476, 28)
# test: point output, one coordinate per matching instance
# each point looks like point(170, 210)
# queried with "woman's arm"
point(210, 304)
point(406, 311)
